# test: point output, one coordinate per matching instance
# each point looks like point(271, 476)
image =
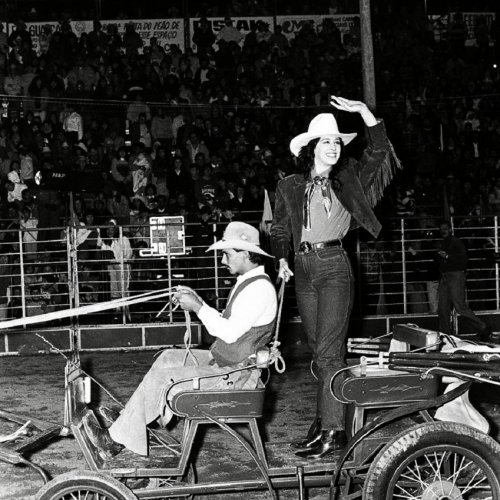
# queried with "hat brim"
point(298, 142)
point(238, 245)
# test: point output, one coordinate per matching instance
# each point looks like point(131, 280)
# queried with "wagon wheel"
point(436, 460)
point(82, 484)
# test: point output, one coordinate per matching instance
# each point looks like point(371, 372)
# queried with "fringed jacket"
point(362, 186)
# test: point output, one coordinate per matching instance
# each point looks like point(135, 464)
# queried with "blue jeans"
point(324, 286)
point(451, 294)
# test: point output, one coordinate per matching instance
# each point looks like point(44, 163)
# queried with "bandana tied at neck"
point(324, 182)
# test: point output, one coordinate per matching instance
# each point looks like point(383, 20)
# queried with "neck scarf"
point(324, 182)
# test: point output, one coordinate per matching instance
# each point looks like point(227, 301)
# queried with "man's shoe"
point(100, 437)
point(313, 436)
point(108, 415)
point(330, 442)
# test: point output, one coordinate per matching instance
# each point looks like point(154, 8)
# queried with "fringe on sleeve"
point(384, 174)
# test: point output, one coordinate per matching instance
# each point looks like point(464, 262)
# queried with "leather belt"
point(307, 247)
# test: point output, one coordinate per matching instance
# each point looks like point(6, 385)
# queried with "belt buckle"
point(305, 247)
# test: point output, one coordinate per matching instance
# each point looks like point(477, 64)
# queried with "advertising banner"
point(291, 25)
point(441, 24)
point(243, 24)
point(167, 31)
point(471, 19)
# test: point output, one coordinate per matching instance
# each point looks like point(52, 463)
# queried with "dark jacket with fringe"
point(362, 185)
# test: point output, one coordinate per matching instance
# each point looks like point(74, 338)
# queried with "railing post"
point(454, 315)
point(360, 274)
point(73, 282)
point(216, 267)
point(169, 268)
point(21, 264)
point(403, 265)
point(497, 291)
point(122, 275)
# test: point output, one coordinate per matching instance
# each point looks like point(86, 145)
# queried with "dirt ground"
point(34, 386)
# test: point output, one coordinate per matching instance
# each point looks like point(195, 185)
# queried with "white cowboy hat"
point(240, 236)
point(322, 124)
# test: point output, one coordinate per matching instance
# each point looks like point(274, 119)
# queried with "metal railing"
point(398, 273)
point(52, 269)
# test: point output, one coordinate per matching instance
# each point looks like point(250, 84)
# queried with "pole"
point(367, 67)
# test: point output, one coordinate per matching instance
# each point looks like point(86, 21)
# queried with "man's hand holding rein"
point(187, 299)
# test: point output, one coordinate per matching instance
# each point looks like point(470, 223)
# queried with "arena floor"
point(34, 385)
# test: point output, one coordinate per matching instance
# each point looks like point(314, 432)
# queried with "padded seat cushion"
point(219, 404)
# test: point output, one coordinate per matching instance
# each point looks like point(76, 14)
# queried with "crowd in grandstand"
point(103, 126)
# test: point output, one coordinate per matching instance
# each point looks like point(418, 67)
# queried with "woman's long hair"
point(305, 161)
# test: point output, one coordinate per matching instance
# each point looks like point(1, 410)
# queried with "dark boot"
point(313, 436)
point(100, 437)
point(109, 415)
point(329, 442)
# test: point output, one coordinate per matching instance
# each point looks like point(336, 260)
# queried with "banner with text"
point(471, 19)
point(167, 31)
point(243, 24)
point(291, 25)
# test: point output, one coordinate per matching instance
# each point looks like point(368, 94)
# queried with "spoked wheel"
point(88, 485)
point(436, 461)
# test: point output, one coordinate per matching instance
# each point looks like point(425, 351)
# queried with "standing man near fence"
point(333, 194)
point(452, 256)
point(119, 266)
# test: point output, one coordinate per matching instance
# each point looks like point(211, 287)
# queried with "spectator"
point(178, 178)
point(195, 146)
point(27, 167)
point(140, 131)
point(19, 35)
point(162, 208)
point(132, 42)
point(452, 265)
point(119, 207)
point(28, 225)
point(12, 83)
point(141, 175)
point(14, 191)
point(203, 37)
point(263, 34)
point(82, 72)
point(97, 40)
point(5, 284)
point(205, 187)
point(230, 33)
point(157, 52)
point(119, 256)
point(161, 128)
point(138, 107)
point(279, 41)
point(120, 171)
point(73, 125)
point(4, 46)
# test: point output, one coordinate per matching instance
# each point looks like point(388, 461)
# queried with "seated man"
point(247, 323)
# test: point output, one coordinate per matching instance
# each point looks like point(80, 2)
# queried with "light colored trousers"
point(149, 399)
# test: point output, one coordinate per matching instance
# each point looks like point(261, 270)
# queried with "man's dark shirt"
point(457, 255)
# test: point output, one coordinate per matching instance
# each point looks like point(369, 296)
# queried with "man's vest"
point(226, 354)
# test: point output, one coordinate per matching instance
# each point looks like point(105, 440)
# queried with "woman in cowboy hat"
point(333, 194)
point(246, 324)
